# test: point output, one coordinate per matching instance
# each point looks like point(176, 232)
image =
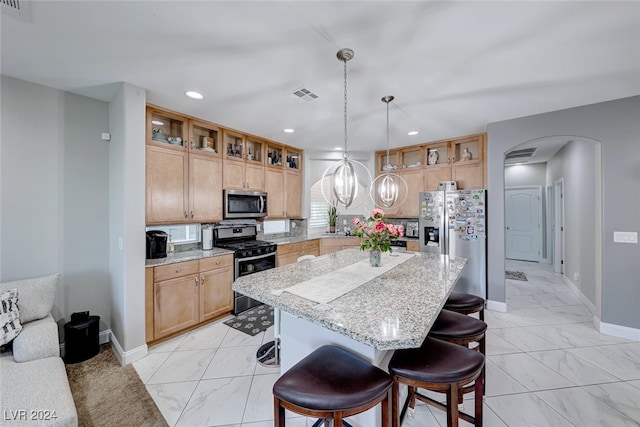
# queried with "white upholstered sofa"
point(34, 389)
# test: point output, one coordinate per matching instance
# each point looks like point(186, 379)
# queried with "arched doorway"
point(567, 169)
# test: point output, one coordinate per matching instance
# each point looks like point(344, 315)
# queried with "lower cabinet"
point(188, 293)
point(331, 245)
point(413, 245)
point(290, 252)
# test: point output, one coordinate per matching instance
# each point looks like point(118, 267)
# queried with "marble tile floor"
point(546, 366)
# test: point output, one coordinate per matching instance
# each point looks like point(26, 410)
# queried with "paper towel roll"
point(207, 239)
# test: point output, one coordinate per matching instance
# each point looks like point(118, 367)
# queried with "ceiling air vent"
point(17, 8)
point(304, 94)
point(520, 156)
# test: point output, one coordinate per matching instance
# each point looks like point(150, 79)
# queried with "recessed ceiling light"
point(288, 130)
point(194, 95)
point(412, 133)
point(157, 122)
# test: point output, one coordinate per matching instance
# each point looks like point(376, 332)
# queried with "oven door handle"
point(253, 258)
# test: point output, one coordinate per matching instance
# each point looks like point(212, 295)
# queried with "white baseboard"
point(497, 306)
point(576, 290)
point(617, 330)
point(126, 357)
point(604, 328)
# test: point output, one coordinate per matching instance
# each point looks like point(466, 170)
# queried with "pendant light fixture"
point(341, 181)
point(389, 190)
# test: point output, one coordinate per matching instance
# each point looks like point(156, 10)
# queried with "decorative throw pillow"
point(10, 325)
point(36, 296)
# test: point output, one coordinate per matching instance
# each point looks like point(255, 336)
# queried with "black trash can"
point(81, 341)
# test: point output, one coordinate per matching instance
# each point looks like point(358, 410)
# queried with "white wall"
point(525, 175)
point(54, 194)
point(127, 221)
point(576, 163)
point(616, 125)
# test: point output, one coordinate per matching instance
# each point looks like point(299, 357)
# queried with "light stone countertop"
point(392, 311)
point(186, 256)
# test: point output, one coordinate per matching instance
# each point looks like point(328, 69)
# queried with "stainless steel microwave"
point(244, 204)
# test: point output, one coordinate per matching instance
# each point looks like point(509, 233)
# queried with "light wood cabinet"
point(413, 245)
point(290, 252)
point(188, 293)
point(424, 166)
point(284, 189)
point(243, 162)
point(190, 161)
point(205, 188)
point(167, 185)
point(409, 208)
point(467, 168)
point(216, 278)
point(293, 194)
point(331, 245)
point(183, 179)
point(176, 297)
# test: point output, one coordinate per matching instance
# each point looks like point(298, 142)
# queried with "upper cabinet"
point(283, 181)
point(166, 129)
point(424, 166)
point(243, 162)
point(461, 160)
point(190, 161)
point(183, 169)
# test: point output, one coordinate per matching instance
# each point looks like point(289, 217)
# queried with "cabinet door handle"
point(195, 279)
point(179, 270)
point(191, 214)
point(217, 262)
point(202, 280)
point(185, 214)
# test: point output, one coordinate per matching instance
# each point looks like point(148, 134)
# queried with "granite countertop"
point(186, 256)
point(395, 310)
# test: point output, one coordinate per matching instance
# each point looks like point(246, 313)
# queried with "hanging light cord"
point(388, 137)
point(345, 154)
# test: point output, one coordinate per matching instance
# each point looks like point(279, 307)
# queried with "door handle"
point(507, 228)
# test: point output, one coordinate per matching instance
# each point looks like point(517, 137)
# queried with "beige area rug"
point(108, 394)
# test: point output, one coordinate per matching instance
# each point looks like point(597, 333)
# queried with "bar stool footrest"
point(429, 401)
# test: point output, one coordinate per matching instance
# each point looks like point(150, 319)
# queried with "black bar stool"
point(441, 367)
point(464, 303)
point(331, 383)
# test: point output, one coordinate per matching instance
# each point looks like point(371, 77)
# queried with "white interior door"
point(523, 213)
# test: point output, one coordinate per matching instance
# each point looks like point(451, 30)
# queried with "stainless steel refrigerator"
point(454, 223)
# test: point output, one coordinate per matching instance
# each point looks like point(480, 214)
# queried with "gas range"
point(249, 248)
point(250, 255)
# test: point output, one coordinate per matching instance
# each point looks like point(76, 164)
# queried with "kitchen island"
point(375, 312)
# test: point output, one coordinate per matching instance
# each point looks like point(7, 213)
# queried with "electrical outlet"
point(625, 237)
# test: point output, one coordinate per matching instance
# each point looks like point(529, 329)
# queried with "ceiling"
point(453, 67)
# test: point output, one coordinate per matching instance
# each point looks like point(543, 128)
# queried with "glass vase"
point(375, 257)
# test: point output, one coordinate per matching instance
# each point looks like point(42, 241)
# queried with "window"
point(318, 219)
point(181, 233)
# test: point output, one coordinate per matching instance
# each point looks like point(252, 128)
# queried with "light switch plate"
point(625, 237)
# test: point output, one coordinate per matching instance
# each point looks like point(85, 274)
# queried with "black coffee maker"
point(156, 244)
